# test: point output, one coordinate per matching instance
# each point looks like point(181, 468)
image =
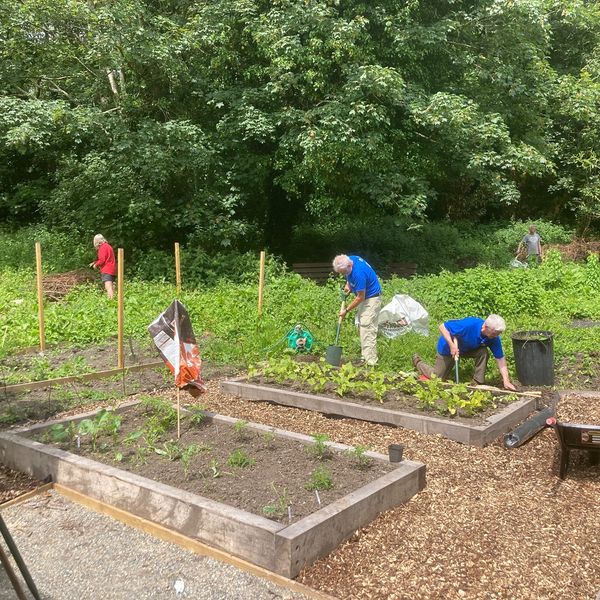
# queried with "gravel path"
point(73, 552)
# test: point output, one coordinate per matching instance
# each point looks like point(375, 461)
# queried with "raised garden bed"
point(283, 544)
point(477, 431)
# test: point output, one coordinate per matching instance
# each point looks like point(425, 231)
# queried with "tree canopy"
point(225, 122)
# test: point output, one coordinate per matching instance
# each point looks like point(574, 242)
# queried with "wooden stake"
point(177, 269)
point(120, 270)
point(178, 416)
point(40, 295)
point(261, 282)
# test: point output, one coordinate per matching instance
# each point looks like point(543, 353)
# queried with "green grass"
point(225, 316)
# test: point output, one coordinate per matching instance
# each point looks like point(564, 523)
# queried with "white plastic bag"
point(401, 315)
point(515, 263)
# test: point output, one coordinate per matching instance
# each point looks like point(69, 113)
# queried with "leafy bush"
point(61, 250)
point(433, 246)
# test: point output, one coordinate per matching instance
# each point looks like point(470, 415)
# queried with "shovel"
point(334, 353)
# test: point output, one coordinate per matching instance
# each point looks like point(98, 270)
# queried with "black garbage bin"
point(534, 357)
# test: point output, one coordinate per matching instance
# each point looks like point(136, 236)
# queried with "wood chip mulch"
point(491, 524)
point(579, 407)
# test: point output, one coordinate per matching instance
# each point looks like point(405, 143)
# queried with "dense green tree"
point(225, 122)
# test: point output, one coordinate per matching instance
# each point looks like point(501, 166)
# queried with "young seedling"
point(320, 479)
point(141, 455)
point(238, 458)
point(197, 416)
point(171, 450)
point(132, 437)
point(320, 449)
point(268, 437)
point(90, 427)
point(187, 455)
point(279, 507)
point(359, 454)
point(241, 429)
point(214, 468)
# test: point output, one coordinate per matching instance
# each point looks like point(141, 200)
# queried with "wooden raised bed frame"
point(475, 435)
point(280, 548)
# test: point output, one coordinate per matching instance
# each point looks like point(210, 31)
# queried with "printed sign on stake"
point(174, 337)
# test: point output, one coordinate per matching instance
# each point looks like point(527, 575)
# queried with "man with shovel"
point(468, 338)
point(362, 281)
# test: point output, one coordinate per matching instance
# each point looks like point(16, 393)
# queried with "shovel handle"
point(342, 307)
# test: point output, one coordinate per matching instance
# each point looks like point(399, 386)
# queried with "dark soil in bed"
point(38, 404)
point(278, 477)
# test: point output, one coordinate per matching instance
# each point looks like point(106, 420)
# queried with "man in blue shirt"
point(362, 281)
point(468, 338)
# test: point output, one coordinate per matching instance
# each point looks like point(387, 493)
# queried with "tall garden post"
point(40, 295)
point(178, 415)
point(261, 282)
point(120, 270)
point(177, 269)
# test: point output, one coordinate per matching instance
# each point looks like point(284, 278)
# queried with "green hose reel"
point(299, 339)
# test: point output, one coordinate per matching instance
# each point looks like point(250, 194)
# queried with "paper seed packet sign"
point(174, 337)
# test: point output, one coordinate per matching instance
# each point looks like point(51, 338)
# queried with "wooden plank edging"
point(476, 435)
point(36, 385)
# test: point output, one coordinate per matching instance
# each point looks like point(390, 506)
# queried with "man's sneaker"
point(423, 378)
point(416, 359)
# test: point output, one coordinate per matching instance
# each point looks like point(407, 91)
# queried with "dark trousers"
point(445, 364)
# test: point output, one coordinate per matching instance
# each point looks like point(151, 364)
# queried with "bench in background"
point(317, 271)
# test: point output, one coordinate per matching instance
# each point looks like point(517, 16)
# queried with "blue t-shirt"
point(363, 277)
point(468, 335)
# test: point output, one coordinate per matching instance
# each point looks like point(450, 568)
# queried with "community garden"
point(222, 458)
point(227, 149)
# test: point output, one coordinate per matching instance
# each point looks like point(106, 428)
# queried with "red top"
point(106, 259)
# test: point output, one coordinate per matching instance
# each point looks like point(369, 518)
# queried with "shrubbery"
point(433, 246)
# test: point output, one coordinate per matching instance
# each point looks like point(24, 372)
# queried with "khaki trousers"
point(366, 317)
point(445, 364)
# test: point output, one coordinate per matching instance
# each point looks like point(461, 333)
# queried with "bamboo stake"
point(120, 270)
point(261, 282)
point(178, 415)
point(177, 269)
point(40, 295)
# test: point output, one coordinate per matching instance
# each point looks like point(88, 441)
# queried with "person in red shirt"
point(106, 263)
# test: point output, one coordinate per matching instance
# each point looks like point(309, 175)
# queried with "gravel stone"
point(72, 552)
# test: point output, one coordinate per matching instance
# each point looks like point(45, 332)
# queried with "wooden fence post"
point(261, 282)
point(40, 295)
point(120, 270)
point(177, 269)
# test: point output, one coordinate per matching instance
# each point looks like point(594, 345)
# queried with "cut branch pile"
point(58, 285)
point(576, 250)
